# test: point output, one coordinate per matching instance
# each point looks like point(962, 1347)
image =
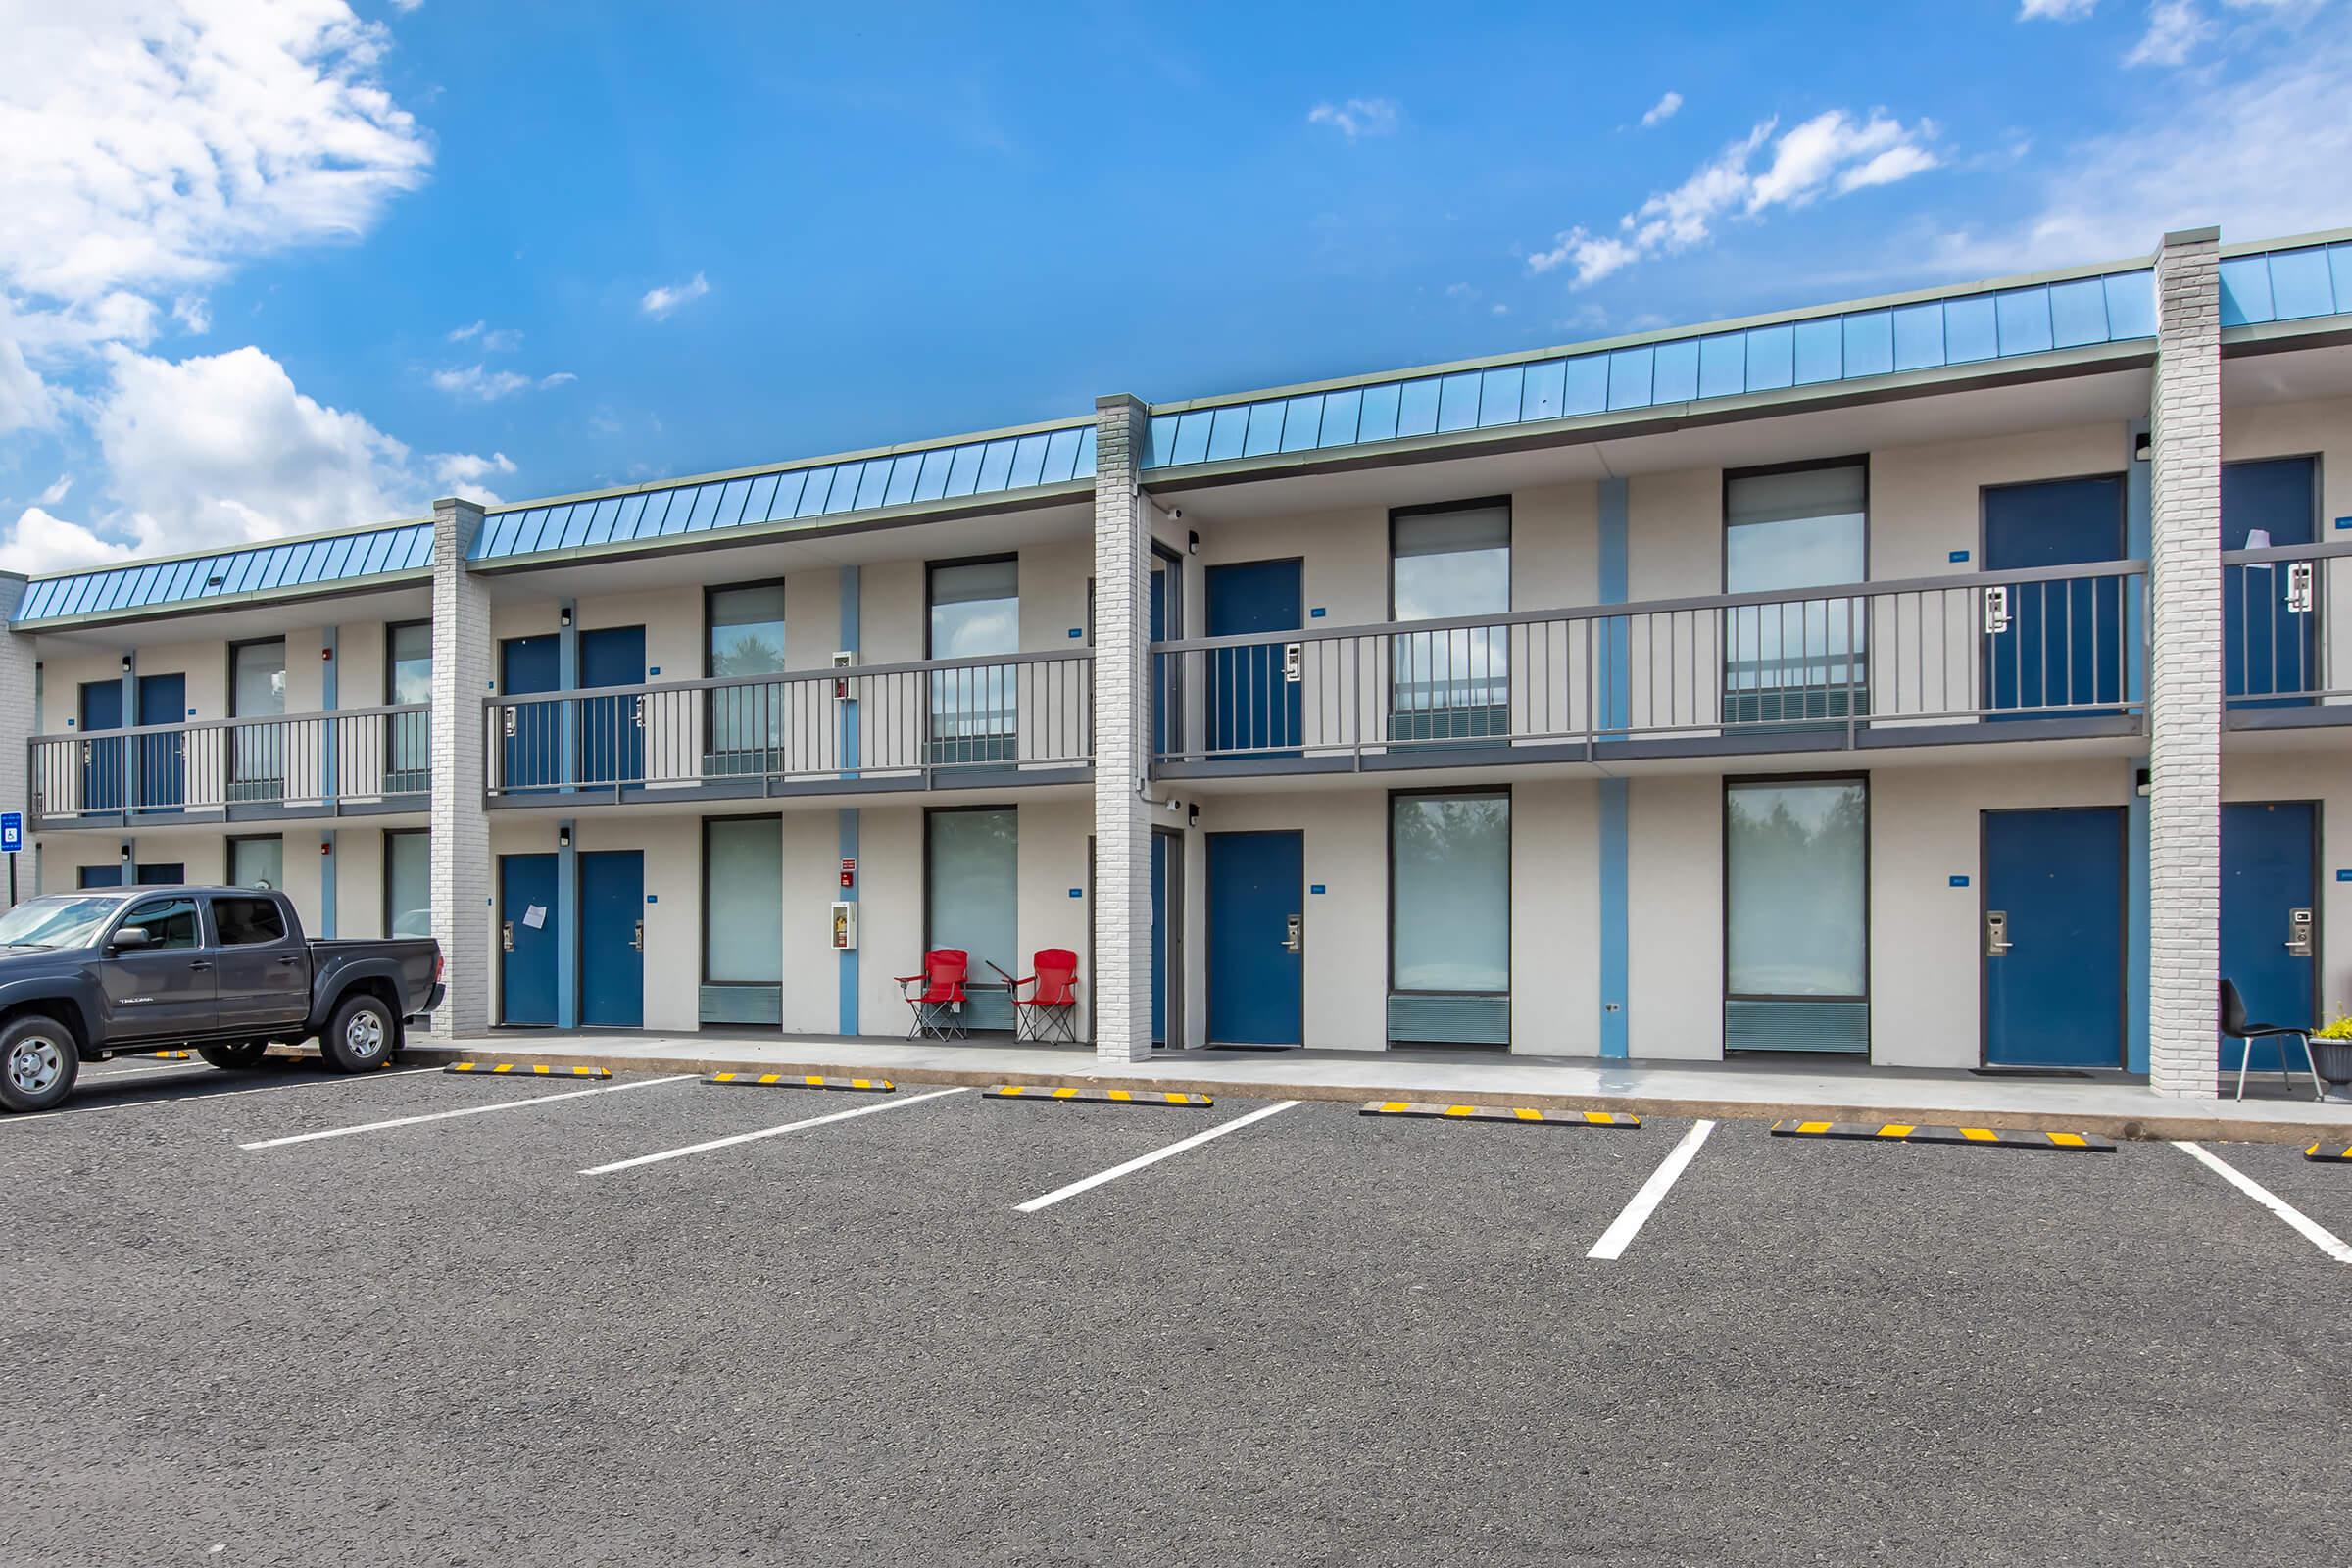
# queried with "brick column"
point(461, 836)
point(2185, 668)
point(17, 723)
point(1122, 957)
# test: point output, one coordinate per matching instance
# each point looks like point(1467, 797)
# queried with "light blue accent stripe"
point(848, 1015)
point(1616, 674)
point(1615, 921)
point(2136, 536)
point(329, 689)
point(852, 629)
point(567, 679)
point(2136, 928)
point(326, 889)
point(568, 926)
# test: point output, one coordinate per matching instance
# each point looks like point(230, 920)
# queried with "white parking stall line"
point(1153, 1159)
point(1628, 1224)
point(107, 1075)
point(764, 1132)
point(470, 1110)
point(2309, 1229)
point(218, 1094)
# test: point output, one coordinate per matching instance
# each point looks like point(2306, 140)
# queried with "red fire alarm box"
point(849, 873)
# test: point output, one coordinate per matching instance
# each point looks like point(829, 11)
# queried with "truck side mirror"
point(130, 936)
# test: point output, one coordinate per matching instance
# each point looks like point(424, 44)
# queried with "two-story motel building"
point(1950, 679)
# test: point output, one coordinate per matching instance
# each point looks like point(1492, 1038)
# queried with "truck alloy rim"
point(365, 1034)
point(34, 1063)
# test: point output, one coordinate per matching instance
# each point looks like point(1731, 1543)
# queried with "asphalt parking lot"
point(1313, 1338)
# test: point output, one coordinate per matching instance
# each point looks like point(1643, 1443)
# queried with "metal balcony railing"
point(2286, 627)
point(909, 722)
point(371, 758)
point(1857, 662)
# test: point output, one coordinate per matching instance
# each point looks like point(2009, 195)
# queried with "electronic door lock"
point(637, 939)
point(637, 713)
point(505, 935)
point(510, 722)
point(1292, 658)
point(2298, 933)
point(1996, 612)
point(2300, 581)
point(1293, 933)
point(1996, 933)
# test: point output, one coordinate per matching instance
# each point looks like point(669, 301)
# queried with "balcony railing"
point(1850, 664)
point(350, 760)
point(907, 726)
point(2286, 643)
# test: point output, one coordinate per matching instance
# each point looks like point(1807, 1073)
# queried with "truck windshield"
point(60, 921)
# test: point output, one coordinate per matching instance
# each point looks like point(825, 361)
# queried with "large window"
point(407, 680)
point(746, 631)
point(1449, 912)
point(1797, 659)
point(743, 901)
point(973, 896)
point(257, 689)
point(1796, 915)
point(258, 862)
point(975, 613)
point(407, 883)
point(1446, 562)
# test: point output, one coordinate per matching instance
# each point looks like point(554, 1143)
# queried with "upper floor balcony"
point(351, 761)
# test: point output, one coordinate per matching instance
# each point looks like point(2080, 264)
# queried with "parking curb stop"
point(170, 1055)
point(1430, 1111)
point(781, 1080)
point(1097, 1097)
point(2328, 1154)
point(526, 1070)
point(1911, 1133)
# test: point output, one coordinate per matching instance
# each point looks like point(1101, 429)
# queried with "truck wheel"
point(243, 1053)
point(360, 1036)
point(38, 1062)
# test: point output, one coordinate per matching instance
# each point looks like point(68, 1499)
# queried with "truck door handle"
point(199, 964)
point(289, 958)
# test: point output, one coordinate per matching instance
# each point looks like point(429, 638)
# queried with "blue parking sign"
point(11, 832)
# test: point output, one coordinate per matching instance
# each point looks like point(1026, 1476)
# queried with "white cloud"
point(2241, 150)
point(480, 383)
point(2174, 29)
point(1663, 109)
point(463, 472)
point(659, 302)
point(1358, 117)
point(39, 541)
point(557, 378)
point(2054, 10)
point(56, 491)
point(193, 311)
point(1831, 155)
point(493, 339)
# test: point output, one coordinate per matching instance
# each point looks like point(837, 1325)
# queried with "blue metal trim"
point(2135, 927)
point(330, 687)
point(298, 564)
point(326, 884)
point(846, 1017)
point(567, 925)
point(1617, 695)
point(1616, 946)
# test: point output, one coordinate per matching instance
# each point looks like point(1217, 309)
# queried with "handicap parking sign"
point(11, 832)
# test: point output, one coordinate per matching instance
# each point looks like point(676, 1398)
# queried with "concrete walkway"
point(2112, 1105)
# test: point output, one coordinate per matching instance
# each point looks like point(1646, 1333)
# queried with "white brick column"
point(1122, 736)
point(17, 722)
point(461, 836)
point(2185, 669)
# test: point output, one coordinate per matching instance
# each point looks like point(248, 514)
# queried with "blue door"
point(2055, 879)
point(2270, 870)
point(146, 874)
point(613, 939)
point(101, 754)
point(163, 700)
point(612, 732)
point(2063, 651)
point(533, 753)
point(1160, 937)
point(526, 924)
point(1253, 708)
point(2266, 647)
point(1255, 883)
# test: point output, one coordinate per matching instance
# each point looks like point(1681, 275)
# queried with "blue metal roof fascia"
point(1980, 324)
point(317, 562)
point(2287, 283)
point(1016, 460)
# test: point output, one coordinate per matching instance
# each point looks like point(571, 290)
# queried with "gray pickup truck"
point(85, 976)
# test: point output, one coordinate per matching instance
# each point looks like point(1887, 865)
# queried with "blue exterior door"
point(1254, 709)
point(2056, 999)
point(613, 939)
point(612, 739)
point(163, 700)
point(101, 753)
point(2264, 646)
point(2269, 853)
point(2063, 653)
point(533, 749)
point(526, 914)
point(1256, 887)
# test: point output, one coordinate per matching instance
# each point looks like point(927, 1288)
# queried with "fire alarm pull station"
point(843, 658)
point(849, 873)
point(845, 927)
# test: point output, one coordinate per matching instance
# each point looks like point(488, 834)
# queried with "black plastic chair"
point(2235, 1025)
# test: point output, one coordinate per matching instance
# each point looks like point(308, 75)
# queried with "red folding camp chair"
point(935, 998)
point(1049, 1011)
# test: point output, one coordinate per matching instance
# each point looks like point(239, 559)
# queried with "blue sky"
point(276, 268)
